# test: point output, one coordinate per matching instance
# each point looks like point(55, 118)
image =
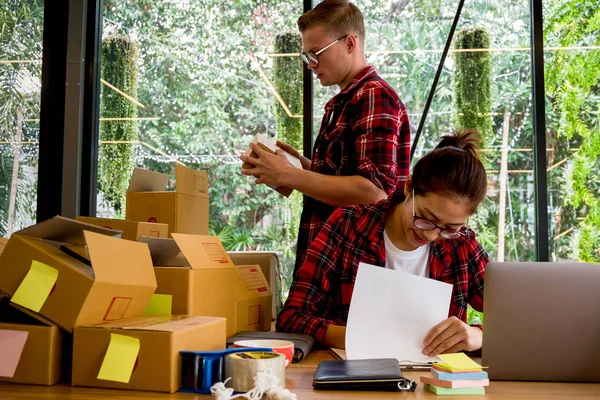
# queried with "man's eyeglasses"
point(311, 57)
point(427, 225)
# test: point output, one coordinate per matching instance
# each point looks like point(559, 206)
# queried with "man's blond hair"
point(337, 17)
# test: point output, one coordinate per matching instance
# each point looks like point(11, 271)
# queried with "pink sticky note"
point(11, 346)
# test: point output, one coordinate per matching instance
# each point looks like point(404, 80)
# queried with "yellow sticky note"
point(36, 286)
point(459, 361)
point(160, 304)
point(119, 359)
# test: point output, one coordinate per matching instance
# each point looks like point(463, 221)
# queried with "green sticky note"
point(160, 304)
point(36, 286)
point(459, 362)
point(442, 391)
point(119, 359)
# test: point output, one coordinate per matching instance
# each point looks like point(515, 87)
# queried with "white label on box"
point(215, 252)
point(253, 279)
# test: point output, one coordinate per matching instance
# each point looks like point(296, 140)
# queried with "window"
point(193, 82)
point(20, 85)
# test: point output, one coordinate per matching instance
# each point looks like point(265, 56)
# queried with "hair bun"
point(466, 140)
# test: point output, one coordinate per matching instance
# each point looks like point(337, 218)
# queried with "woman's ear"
point(408, 187)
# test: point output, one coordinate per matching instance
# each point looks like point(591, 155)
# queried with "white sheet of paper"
point(391, 312)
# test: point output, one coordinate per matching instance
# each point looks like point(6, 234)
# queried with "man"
point(361, 153)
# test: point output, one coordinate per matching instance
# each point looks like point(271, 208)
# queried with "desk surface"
point(299, 381)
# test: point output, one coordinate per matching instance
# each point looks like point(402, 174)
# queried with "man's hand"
point(268, 168)
point(451, 336)
point(305, 161)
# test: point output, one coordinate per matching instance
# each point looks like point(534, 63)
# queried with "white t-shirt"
point(414, 262)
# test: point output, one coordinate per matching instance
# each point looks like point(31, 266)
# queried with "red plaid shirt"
point(322, 289)
point(365, 131)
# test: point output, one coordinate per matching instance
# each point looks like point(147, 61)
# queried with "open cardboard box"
point(157, 364)
point(270, 266)
point(203, 280)
point(3, 242)
point(132, 230)
point(39, 349)
point(184, 210)
point(96, 278)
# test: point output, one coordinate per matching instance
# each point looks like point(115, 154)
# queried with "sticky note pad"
point(459, 362)
point(11, 347)
point(36, 286)
point(119, 359)
point(160, 304)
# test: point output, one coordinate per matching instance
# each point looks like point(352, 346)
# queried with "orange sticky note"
point(36, 286)
point(160, 304)
point(119, 359)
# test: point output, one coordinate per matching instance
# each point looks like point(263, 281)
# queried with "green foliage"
point(472, 81)
point(287, 78)
point(21, 23)
point(573, 86)
point(119, 68)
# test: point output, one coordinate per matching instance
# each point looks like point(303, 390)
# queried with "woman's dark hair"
point(453, 169)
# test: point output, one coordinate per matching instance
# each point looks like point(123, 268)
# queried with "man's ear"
point(351, 43)
point(408, 187)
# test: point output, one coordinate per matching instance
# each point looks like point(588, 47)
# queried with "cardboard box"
point(3, 242)
point(270, 266)
point(203, 280)
point(269, 146)
point(185, 210)
point(39, 361)
point(98, 277)
point(132, 230)
point(161, 338)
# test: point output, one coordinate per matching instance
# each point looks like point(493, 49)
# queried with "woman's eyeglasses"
point(427, 225)
point(310, 57)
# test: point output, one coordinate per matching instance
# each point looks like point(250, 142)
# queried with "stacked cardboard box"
point(141, 353)
point(65, 276)
point(184, 210)
point(270, 265)
point(132, 230)
point(198, 273)
point(32, 347)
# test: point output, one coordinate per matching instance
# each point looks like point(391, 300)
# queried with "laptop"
point(542, 321)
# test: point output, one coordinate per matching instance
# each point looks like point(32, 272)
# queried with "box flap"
point(64, 230)
point(37, 316)
point(164, 252)
point(3, 242)
point(164, 323)
point(250, 282)
point(191, 181)
point(203, 252)
point(144, 180)
point(120, 261)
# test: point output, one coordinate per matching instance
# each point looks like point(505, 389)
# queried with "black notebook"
point(303, 344)
point(372, 374)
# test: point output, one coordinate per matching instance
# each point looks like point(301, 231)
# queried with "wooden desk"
point(299, 381)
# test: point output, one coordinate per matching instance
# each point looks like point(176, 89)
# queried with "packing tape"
point(243, 367)
point(200, 370)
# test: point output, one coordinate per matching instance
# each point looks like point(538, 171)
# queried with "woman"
point(422, 230)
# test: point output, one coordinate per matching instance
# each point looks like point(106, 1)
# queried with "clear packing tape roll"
point(243, 367)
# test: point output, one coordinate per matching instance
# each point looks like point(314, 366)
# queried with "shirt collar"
point(348, 90)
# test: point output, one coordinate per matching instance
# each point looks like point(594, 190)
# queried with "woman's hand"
point(451, 336)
